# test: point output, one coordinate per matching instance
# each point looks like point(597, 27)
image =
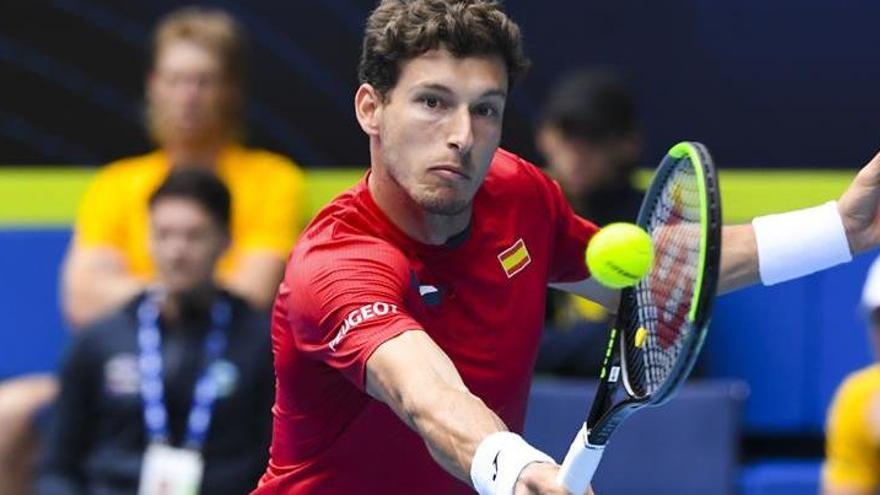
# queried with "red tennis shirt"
point(354, 281)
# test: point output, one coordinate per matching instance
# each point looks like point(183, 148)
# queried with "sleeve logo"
point(359, 316)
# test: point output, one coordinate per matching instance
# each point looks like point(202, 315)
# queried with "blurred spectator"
point(195, 101)
point(205, 340)
point(589, 136)
point(852, 464)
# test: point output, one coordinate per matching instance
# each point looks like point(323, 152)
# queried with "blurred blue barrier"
point(793, 343)
point(32, 335)
point(686, 447)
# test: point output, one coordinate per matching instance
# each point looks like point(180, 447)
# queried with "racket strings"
point(662, 301)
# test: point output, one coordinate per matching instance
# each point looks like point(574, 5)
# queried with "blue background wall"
point(764, 84)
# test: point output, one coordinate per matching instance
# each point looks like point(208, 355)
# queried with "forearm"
point(452, 423)
point(413, 376)
point(739, 258)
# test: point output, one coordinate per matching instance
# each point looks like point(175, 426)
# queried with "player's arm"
point(95, 281)
point(804, 242)
point(257, 277)
point(739, 268)
point(414, 377)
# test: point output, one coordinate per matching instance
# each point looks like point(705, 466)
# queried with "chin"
point(444, 204)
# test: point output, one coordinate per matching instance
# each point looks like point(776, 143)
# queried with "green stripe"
point(45, 196)
point(48, 196)
point(679, 151)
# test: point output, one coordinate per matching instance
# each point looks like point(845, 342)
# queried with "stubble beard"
point(436, 203)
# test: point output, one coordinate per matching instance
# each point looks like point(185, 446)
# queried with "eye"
point(431, 102)
point(487, 111)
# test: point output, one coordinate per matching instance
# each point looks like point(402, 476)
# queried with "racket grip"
point(580, 463)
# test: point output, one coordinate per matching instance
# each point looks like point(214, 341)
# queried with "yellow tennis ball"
point(619, 255)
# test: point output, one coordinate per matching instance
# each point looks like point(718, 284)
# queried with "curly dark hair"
point(399, 30)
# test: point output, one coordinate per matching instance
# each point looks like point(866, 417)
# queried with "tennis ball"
point(619, 255)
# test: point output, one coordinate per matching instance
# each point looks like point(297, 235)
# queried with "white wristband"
point(801, 242)
point(499, 460)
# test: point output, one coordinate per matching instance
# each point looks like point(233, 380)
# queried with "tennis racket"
point(661, 321)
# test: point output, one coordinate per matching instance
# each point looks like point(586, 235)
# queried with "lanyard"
point(150, 364)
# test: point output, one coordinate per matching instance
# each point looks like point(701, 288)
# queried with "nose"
point(461, 131)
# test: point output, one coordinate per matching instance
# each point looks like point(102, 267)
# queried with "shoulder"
point(514, 182)
point(267, 165)
point(340, 250)
point(513, 173)
point(860, 384)
point(105, 332)
point(134, 166)
point(127, 178)
point(854, 395)
point(510, 166)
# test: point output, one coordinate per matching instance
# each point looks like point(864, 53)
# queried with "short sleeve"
point(570, 233)
point(100, 220)
point(347, 298)
point(852, 456)
point(282, 197)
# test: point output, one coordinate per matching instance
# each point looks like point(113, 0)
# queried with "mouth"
point(450, 172)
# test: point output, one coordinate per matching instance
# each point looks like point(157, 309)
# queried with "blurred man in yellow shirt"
point(852, 464)
point(195, 102)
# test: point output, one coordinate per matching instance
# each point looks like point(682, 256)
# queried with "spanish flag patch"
point(515, 258)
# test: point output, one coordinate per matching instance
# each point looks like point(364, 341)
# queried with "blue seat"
point(781, 477)
point(686, 447)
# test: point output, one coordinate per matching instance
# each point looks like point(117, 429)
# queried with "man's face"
point(185, 243)
point(188, 94)
point(439, 127)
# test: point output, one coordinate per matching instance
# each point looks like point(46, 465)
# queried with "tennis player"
point(407, 323)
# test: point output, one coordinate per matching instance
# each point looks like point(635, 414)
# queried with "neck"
point(193, 303)
point(203, 154)
point(408, 216)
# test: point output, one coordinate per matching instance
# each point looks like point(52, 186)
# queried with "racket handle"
point(580, 463)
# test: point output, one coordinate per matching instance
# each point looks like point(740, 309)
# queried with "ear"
point(368, 108)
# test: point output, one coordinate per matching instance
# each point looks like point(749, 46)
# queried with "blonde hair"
point(220, 34)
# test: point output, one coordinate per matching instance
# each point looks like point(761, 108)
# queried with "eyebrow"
point(444, 89)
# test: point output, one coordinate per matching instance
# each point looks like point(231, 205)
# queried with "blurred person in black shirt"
point(589, 134)
point(197, 337)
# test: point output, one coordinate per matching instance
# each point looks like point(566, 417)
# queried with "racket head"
point(671, 306)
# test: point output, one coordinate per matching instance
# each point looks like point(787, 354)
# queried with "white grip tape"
point(800, 242)
point(580, 463)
